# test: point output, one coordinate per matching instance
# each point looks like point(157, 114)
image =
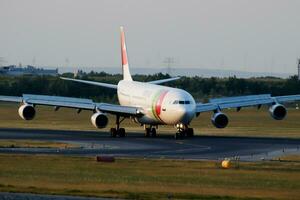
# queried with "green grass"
point(247, 122)
point(151, 179)
point(148, 179)
point(5, 143)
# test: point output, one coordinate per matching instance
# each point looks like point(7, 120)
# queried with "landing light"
point(179, 125)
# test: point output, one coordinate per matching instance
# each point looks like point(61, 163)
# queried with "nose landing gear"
point(183, 131)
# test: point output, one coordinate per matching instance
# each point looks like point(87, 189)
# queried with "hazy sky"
point(252, 35)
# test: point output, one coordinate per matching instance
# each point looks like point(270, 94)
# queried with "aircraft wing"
point(243, 101)
point(77, 103)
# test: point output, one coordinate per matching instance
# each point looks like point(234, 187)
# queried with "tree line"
point(201, 88)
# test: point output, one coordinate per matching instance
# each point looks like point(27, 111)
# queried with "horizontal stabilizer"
point(107, 85)
point(164, 80)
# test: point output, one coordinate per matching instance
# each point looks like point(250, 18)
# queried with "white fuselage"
point(160, 104)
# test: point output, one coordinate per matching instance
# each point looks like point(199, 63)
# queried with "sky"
point(247, 35)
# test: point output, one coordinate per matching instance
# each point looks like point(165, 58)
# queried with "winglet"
point(125, 65)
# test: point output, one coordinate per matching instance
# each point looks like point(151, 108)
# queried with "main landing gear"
point(150, 131)
point(114, 132)
point(183, 131)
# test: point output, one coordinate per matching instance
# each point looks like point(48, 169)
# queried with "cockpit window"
point(181, 102)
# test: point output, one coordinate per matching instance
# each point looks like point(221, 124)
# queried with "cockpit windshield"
point(181, 102)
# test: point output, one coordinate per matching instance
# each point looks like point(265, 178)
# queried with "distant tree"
point(201, 88)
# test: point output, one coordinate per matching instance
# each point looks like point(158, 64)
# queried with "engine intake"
point(278, 111)
point(26, 112)
point(99, 120)
point(219, 120)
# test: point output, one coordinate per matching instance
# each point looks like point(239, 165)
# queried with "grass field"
point(247, 122)
point(149, 179)
point(4, 143)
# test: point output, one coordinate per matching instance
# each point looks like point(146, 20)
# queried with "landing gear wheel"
point(177, 135)
point(182, 134)
point(147, 132)
point(190, 132)
point(153, 132)
point(122, 132)
point(113, 132)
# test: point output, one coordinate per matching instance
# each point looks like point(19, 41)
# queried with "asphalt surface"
point(165, 146)
point(27, 196)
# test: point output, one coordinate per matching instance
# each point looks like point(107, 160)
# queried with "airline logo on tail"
point(123, 48)
point(125, 66)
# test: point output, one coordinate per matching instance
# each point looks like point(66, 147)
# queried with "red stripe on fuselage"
point(159, 103)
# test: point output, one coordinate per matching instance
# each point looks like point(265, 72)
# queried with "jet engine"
point(219, 120)
point(99, 120)
point(278, 111)
point(26, 112)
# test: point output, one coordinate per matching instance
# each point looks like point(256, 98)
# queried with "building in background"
point(13, 70)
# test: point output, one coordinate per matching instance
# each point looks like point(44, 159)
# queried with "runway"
point(93, 143)
point(25, 196)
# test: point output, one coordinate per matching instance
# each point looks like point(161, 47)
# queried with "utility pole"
point(299, 69)
point(169, 61)
point(33, 61)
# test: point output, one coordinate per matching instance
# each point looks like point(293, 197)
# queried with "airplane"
point(150, 104)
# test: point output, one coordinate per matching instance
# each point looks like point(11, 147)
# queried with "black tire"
point(147, 132)
point(182, 134)
point(153, 132)
point(113, 132)
point(190, 132)
point(122, 132)
point(177, 135)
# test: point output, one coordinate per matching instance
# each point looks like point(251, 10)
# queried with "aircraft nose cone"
point(183, 115)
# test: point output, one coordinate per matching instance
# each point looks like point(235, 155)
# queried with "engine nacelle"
point(26, 112)
point(278, 111)
point(219, 120)
point(99, 120)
